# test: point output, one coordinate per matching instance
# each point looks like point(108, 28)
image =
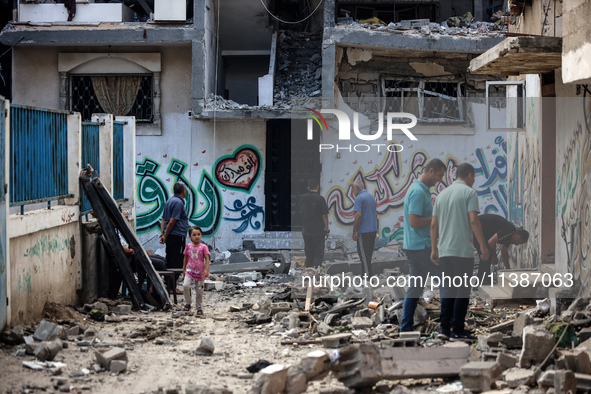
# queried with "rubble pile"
point(464, 25)
point(298, 67)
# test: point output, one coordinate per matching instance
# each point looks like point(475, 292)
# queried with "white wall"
point(388, 175)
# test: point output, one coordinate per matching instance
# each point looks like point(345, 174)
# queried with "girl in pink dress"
point(195, 268)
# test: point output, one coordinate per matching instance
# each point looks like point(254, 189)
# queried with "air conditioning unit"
point(170, 10)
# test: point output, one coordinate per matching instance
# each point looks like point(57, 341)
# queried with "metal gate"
point(4, 113)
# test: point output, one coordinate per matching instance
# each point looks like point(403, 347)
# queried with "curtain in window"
point(116, 94)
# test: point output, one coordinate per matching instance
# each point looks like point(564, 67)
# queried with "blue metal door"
point(3, 211)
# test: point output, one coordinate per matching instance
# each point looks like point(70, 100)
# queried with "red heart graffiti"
point(240, 170)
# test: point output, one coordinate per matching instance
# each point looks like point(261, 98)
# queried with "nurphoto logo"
point(393, 120)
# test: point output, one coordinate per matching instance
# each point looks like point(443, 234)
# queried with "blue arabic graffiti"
point(248, 214)
point(493, 186)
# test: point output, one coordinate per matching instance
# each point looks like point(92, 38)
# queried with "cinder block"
point(479, 375)
point(105, 358)
point(47, 331)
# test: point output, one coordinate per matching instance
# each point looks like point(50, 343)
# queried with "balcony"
point(87, 11)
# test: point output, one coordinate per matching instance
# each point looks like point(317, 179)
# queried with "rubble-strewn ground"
point(518, 347)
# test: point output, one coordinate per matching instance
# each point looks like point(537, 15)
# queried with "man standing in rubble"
point(174, 226)
point(365, 226)
point(418, 209)
point(498, 230)
point(455, 219)
point(314, 224)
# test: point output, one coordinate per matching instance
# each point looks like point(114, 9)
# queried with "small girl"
point(195, 268)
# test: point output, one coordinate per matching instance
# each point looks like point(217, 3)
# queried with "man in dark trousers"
point(174, 226)
point(314, 224)
point(418, 209)
point(498, 230)
point(365, 226)
point(455, 219)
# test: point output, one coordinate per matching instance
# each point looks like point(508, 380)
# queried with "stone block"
point(410, 335)
point(565, 382)
point(296, 381)
point(360, 323)
point(213, 285)
point(47, 350)
point(270, 380)
point(105, 358)
point(479, 375)
point(513, 341)
point(315, 365)
point(584, 362)
point(240, 257)
point(567, 359)
point(517, 376)
point(521, 321)
point(73, 331)
point(47, 331)
point(30, 344)
point(506, 361)
point(323, 328)
point(277, 307)
point(205, 348)
point(122, 309)
point(117, 366)
point(336, 340)
point(537, 344)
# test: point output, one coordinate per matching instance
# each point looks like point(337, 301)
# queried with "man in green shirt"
point(455, 218)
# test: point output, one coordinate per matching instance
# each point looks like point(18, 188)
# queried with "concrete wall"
point(573, 183)
point(388, 175)
point(576, 44)
point(45, 261)
point(525, 171)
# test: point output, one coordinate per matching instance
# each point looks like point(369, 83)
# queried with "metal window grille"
point(83, 99)
point(428, 100)
point(38, 155)
point(118, 176)
point(90, 155)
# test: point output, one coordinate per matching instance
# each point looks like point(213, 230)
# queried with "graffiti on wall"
point(152, 191)
point(494, 177)
point(239, 170)
point(248, 214)
point(389, 181)
point(572, 199)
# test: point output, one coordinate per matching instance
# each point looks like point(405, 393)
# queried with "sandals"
point(199, 312)
point(187, 307)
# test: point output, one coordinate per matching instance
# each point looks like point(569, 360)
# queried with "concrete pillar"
point(105, 149)
point(74, 156)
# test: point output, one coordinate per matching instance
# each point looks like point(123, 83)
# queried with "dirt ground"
point(161, 351)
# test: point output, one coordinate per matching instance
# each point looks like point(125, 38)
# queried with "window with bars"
point(84, 98)
point(428, 100)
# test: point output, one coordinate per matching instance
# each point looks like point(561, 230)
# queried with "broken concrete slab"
point(240, 257)
point(336, 340)
point(479, 375)
point(360, 323)
point(105, 358)
point(316, 365)
point(47, 331)
point(122, 309)
point(270, 380)
point(506, 361)
point(365, 364)
point(538, 342)
point(213, 285)
point(517, 376)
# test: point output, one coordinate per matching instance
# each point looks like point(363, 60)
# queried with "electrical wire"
point(300, 21)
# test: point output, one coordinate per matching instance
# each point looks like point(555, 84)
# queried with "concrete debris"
point(480, 375)
point(205, 348)
point(123, 309)
point(538, 342)
point(47, 331)
point(104, 359)
point(270, 380)
point(47, 350)
point(454, 26)
point(517, 376)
